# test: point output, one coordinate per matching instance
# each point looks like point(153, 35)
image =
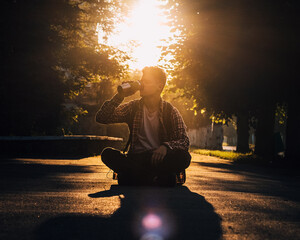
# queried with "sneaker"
point(181, 178)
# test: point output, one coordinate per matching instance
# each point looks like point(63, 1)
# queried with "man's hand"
point(128, 92)
point(158, 155)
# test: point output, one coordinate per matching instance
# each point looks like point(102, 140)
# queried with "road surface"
point(77, 199)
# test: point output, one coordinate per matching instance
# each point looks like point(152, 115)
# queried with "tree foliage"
point(49, 51)
point(233, 56)
point(229, 51)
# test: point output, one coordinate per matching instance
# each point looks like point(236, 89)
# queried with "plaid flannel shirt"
point(112, 112)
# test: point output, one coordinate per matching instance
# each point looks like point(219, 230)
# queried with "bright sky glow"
point(146, 26)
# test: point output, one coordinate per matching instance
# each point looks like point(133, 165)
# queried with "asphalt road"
point(77, 199)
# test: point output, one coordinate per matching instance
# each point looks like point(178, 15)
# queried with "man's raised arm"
point(111, 112)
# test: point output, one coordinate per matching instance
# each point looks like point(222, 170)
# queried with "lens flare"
point(154, 221)
point(151, 236)
point(151, 222)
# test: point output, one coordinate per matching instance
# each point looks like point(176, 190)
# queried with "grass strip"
point(234, 156)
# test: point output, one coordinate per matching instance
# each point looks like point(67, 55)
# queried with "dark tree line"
point(233, 58)
point(49, 51)
point(239, 58)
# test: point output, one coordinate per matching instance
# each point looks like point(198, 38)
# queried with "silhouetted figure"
point(158, 139)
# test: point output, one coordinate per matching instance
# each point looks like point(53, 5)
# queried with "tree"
point(230, 60)
point(293, 86)
point(50, 51)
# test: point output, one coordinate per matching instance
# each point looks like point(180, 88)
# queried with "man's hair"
point(157, 72)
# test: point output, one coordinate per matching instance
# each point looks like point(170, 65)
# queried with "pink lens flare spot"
point(151, 221)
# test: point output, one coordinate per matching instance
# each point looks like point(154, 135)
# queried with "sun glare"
point(146, 28)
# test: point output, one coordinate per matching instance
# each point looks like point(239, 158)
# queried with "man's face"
point(149, 85)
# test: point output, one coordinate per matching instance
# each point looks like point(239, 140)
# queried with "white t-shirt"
point(148, 134)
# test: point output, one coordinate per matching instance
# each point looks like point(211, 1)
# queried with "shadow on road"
point(145, 213)
point(15, 168)
point(253, 179)
point(21, 176)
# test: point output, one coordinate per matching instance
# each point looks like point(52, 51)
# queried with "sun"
point(142, 34)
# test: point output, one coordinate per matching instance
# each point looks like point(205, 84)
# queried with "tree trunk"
point(264, 145)
point(293, 132)
point(242, 133)
point(293, 98)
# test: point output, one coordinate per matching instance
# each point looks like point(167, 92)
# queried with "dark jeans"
point(174, 162)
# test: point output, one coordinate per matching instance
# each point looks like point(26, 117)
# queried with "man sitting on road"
point(158, 140)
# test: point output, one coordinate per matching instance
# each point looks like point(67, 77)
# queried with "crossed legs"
point(174, 162)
